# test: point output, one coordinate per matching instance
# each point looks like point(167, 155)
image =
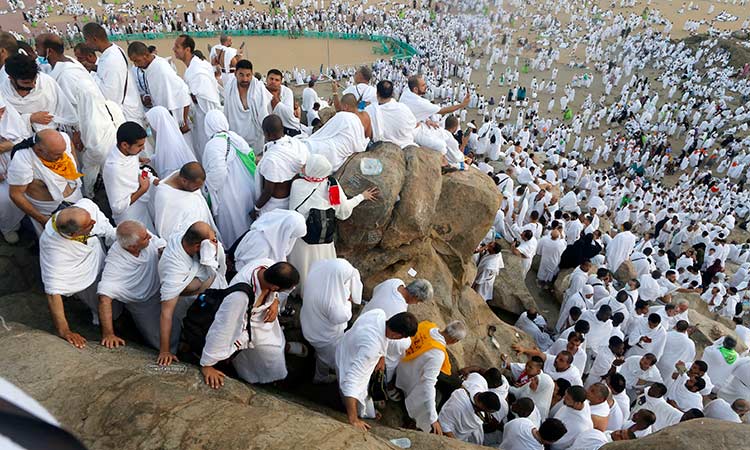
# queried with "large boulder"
point(430, 223)
point(511, 293)
point(121, 399)
point(696, 434)
point(625, 272)
point(708, 326)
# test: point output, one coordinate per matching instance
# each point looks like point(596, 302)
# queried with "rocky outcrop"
point(708, 326)
point(625, 272)
point(430, 223)
point(120, 399)
point(511, 293)
point(696, 434)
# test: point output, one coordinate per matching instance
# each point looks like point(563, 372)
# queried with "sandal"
point(394, 394)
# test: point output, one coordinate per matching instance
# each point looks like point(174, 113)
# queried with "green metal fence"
point(385, 45)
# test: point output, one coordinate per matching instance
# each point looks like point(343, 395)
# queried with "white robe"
point(231, 183)
point(12, 128)
point(26, 167)
point(342, 136)
point(683, 398)
point(117, 83)
point(261, 358)
point(134, 281)
point(551, 251)
point(358, 353)
point(45, 96)
point(166, 88)
point(542, 396)
point(282, 160)
point(518, 435)
point(487, 269)
point(392, 122)
point(677, 347)
point(272, 236)
point(576, 422)
point(458, 417)
point(247, 122)
point(68, 266)
point(172, 150)
point(199, 77)
point(327, 308)
point(175, 210)
point(619, 249)
point(666, 414)
point(422, 108)
point(177, 269)
point(722, 410)
point(631, 370)
point(737, 385)
point(417, 379)
point(718, 369)
point(121, 174)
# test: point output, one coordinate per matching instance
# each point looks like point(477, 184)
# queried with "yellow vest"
point(422, 342)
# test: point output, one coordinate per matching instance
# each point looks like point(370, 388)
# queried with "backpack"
point(321, 223)
point(201, 315)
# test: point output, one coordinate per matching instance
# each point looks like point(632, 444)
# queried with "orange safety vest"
point(422, 342)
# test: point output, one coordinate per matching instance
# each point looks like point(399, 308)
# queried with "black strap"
point(127, 74)
point(306, 198)
point(32, 433)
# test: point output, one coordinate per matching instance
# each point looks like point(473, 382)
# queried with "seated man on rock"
point(131, 277)
point(71, 255)
point(192, 262)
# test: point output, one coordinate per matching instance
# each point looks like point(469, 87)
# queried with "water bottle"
point(370, 166)
point(401, 442)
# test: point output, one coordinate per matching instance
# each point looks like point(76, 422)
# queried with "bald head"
point(349, 103)
point(50, 145)
point(197, 233)
point(191, 177)
point(72, 221)
point(554, 234)
point(273, 128)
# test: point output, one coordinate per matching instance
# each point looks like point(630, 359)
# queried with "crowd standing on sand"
point(223, 203)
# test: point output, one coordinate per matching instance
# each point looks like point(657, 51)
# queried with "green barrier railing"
point(387, 46)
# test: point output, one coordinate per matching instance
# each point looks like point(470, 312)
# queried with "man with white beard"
point(342, 135)
point(418, 371)
point(230, 176)
point(178, 201)
point(113, 75)
point(36, 96)
point(361, 352)
point(283, 159)
point(131, 277)
point(37, 189)
point(98, 121)
point(203, 88)
point(247, 102)
point(165, 87)
point(128, 188)
point(71, 255)
point(192, 262)
point(392, 121)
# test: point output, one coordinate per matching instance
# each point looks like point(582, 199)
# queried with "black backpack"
point(201, 315)
point(321, 223)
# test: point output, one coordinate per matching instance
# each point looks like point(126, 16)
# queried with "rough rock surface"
point(696, 434)
point(118, 399)
point(625, 272)
point(511, 293)
point(432, 226)
point(709, 326)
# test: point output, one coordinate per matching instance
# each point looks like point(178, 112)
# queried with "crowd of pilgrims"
point(219, 189)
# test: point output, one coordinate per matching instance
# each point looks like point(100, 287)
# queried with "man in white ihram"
point(192, 262)
point(362, 352)
point(246, 103)
point(418, 371)
point(131, 277)
point(392, 121)
point(71, 255)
